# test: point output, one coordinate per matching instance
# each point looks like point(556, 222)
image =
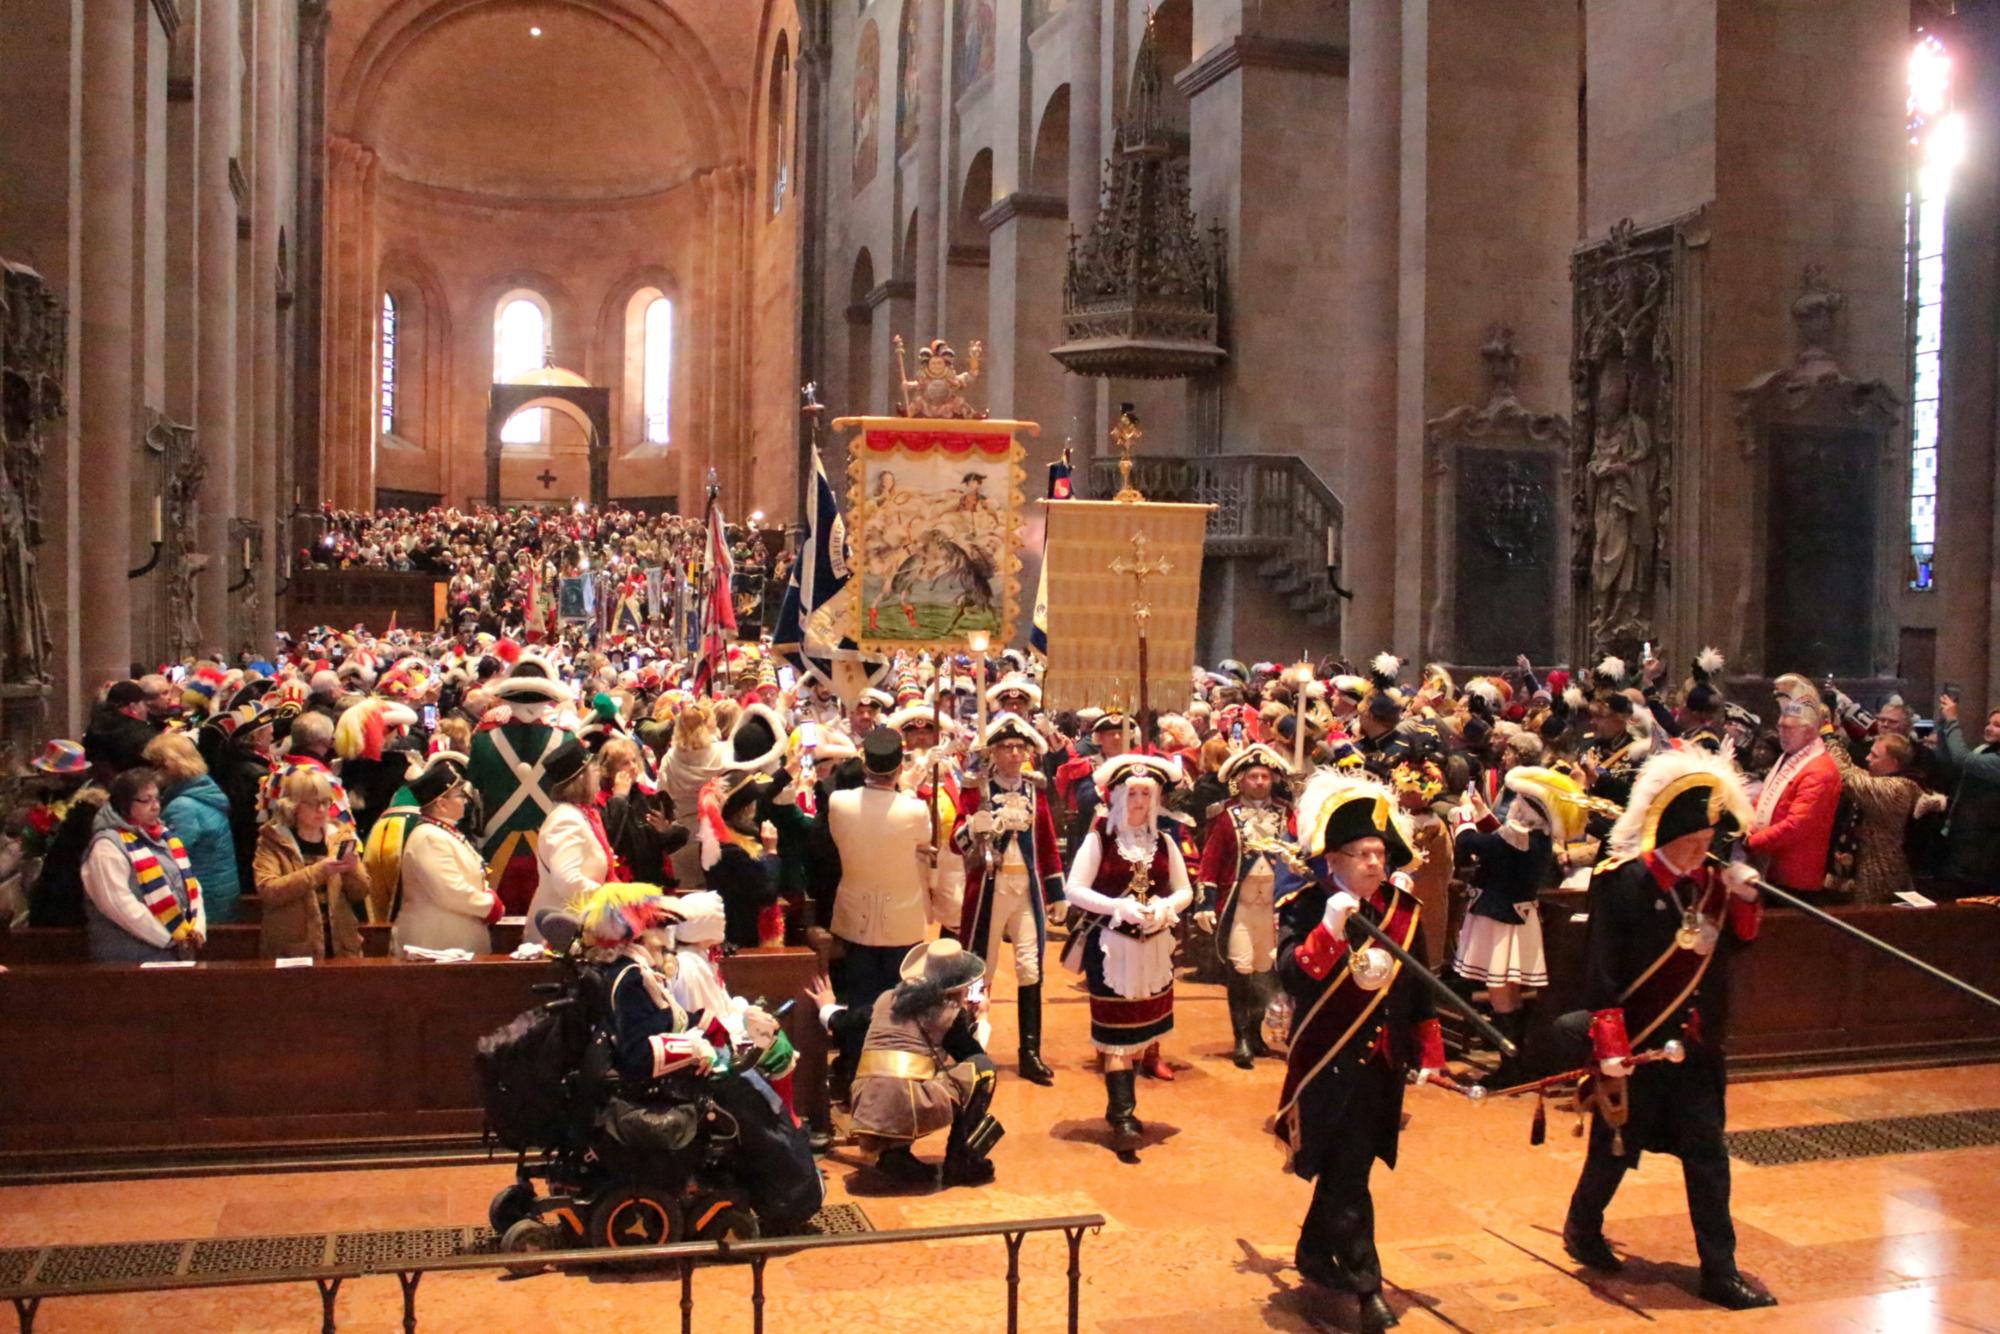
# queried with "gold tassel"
point(1538, 1130)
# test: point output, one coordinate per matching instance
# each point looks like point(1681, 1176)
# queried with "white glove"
point(1160, 915)
point(760, 1025)
point(704, 1056)
point(1205, 919)
point(1339, 908)
point(1058, 912)
point(1741, 880)
point(980, 823)
point(1127, 912)
point(1614, 1067)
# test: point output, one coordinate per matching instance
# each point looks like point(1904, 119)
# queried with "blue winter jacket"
point(198, 811)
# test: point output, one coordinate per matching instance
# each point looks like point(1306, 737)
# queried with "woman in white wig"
point(1130, 881)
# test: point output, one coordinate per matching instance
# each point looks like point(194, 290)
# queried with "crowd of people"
point(939, 824)
point(503, 567)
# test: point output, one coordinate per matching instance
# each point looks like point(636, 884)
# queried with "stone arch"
point(1048, 169)
point(975, 196)
point(403, 24)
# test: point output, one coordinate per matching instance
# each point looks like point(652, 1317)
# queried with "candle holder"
point(151, 561)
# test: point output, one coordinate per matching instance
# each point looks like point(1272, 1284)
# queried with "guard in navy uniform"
point(1664, 924)
point(1359, 1022)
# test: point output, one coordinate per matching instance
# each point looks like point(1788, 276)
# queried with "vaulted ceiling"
point(543, 99)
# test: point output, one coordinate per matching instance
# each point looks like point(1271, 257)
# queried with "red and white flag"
point(718, 603)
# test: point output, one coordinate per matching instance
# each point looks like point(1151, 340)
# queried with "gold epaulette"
point(1611, 863)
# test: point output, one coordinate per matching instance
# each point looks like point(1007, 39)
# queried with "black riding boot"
point(973, 1134)
point(1258, 997)
point(1121, 1109)
point(1029, 1010)
point(1241, 1001)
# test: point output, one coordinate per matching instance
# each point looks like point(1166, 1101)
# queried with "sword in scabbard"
point(1791, 900)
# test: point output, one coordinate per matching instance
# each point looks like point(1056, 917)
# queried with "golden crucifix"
point(1126, 434)
point(1141, 569)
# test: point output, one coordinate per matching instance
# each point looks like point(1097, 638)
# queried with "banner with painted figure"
point(935, 511)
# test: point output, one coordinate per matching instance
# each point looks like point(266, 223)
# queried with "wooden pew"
point(234, 943)
point(111, 1062)
point(1807, 995)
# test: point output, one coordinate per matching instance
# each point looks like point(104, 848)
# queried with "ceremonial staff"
point(1142, 612)
point(1456, 1003)
point(1785, 896)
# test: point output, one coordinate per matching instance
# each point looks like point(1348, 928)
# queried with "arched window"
point(774, 116)
point(520, 345)
point(388, 391)
point(1937, 140)
point(657, 375)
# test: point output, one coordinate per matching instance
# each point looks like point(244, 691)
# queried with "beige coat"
point(294, 896)
point(1881, 868)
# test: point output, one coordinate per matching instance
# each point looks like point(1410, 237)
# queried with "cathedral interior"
point(1494, 331)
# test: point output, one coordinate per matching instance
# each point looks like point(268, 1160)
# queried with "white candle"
point(1329, 544)
point(159, 533)
point(246, 553)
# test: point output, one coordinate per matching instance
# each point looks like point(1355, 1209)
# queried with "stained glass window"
point(388, 392)
point(1937, 142)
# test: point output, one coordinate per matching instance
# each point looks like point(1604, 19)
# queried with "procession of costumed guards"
point(1350, 850)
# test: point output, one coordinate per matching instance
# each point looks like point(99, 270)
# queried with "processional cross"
point(1141, 569)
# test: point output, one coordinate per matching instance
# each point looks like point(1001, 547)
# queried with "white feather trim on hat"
point(1009, 684)
point(1012, 726)
point(1328, 788)
point(1132, 764)
point(702, 918)
point(1385, 664)
point(1574, 697)
point(1612, 668)
point(1664, 771)
point(916, 713)
point(1709, 660)
point(1485, 690)
point(769, 760)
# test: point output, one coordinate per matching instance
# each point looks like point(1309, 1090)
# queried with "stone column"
point(810, 134)
point(1966, 448)
point(930, 187)
point(268, 194)
point(1368, 473)
point(38, 101)
point(215, 410)
point(1086, 161)
point(308, 277)
point(103, 397)
point(347, 425)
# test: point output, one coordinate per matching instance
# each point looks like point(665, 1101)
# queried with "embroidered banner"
point(934, 511)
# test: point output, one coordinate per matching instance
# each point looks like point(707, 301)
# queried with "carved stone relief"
point(32, 407)
point(1825, 442)
point(180, 563)
point(1495, 553)
point(1622, 379)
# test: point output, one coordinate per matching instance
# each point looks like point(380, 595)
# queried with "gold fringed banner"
point(934, 511)
point(1093, 641)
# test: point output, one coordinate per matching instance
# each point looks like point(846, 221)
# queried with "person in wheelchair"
point(750, 1031)
point(630, 952)
point(923, 1068)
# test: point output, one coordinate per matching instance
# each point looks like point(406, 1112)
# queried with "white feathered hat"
point(1677, 792)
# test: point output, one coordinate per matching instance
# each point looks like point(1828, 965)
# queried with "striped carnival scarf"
point(156, 891)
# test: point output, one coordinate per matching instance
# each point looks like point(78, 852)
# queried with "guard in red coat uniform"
point(1664, 924)
point(1359, 1022)
point(1013, 873)
point(1240, 859)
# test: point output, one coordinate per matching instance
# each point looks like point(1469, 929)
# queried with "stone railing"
point(1270, 507)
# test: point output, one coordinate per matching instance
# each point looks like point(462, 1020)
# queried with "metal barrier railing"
point(27, 1293)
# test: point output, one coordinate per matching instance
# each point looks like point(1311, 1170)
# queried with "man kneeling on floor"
point(923, 1068)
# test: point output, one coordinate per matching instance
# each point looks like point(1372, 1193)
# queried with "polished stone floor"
point(1200, 1231)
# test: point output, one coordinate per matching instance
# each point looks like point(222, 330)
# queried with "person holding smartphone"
point(308, 875)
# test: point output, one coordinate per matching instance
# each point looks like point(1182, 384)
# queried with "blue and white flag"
point(805, 631)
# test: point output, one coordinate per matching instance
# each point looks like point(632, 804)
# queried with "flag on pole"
point(718, 604)
point(820, 575)
point(1060, 488)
